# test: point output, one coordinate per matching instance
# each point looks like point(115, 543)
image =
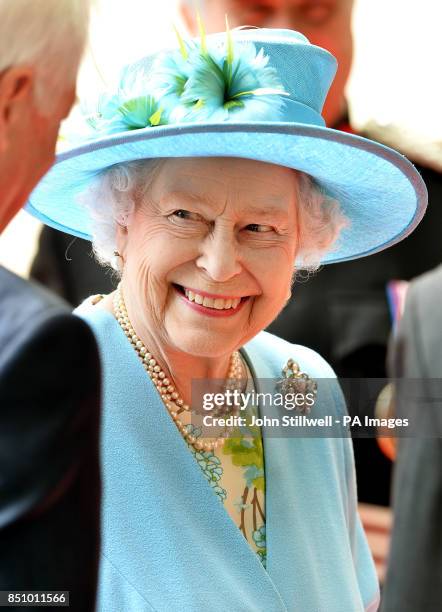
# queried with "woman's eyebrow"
point(267, 211)
point(181, 196)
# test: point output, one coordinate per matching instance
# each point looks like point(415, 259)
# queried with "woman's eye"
point(184, 215)
point(256, 227)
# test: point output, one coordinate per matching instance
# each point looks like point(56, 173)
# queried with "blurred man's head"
point(41, 43)
point(326, 23)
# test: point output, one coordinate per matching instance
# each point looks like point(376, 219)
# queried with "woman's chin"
point(200, 342)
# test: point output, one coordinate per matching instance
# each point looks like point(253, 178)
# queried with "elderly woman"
point(210, 177)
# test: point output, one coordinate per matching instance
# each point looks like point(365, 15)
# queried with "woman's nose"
point(219, 256)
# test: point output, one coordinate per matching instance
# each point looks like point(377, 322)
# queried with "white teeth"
point(216, 303)
point(208, 302)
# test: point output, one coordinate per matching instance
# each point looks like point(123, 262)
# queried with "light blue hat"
point(254, 94)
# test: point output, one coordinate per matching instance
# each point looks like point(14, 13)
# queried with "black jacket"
point(49, 425)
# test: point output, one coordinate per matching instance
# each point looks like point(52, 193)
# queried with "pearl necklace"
point(171, 398)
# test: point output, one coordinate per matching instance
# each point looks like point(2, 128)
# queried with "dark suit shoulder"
point(427, 284)
point(423, 300)
point(422, 322)
point(34, 296)
point(28, 312)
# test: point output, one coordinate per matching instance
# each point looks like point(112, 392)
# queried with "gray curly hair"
point(112, 198)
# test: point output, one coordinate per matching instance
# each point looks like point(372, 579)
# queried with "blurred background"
point(394, 93)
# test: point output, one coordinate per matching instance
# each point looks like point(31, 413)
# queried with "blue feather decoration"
point(206, 82)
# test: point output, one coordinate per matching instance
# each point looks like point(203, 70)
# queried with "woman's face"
point(209, 252)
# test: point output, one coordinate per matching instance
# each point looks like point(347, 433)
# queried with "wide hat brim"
point(380, 191)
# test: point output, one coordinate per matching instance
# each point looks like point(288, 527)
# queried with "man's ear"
point(16, 90)
point(188, 15)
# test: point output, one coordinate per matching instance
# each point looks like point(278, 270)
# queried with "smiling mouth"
point(212, 303)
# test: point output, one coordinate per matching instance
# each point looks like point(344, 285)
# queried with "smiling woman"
point(209, 179)
point(204, 230)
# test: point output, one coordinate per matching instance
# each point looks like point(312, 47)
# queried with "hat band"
point(297, 112)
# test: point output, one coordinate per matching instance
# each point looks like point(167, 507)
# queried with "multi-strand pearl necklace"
point(170, 396)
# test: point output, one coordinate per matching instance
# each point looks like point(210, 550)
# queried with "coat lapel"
point(163, 526)
point(307, 518)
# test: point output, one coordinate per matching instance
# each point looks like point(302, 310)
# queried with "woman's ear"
point(121, 240)
point(123, 222)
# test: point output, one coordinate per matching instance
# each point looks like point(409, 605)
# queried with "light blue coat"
point(168, 544)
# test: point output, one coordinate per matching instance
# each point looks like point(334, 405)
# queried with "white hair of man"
point(47, 34)
point(115, 193)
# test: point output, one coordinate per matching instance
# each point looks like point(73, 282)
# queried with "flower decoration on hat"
point(219, 82)
point(131, 108)
point(196, 83)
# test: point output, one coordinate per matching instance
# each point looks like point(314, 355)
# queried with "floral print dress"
point(235, 471)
